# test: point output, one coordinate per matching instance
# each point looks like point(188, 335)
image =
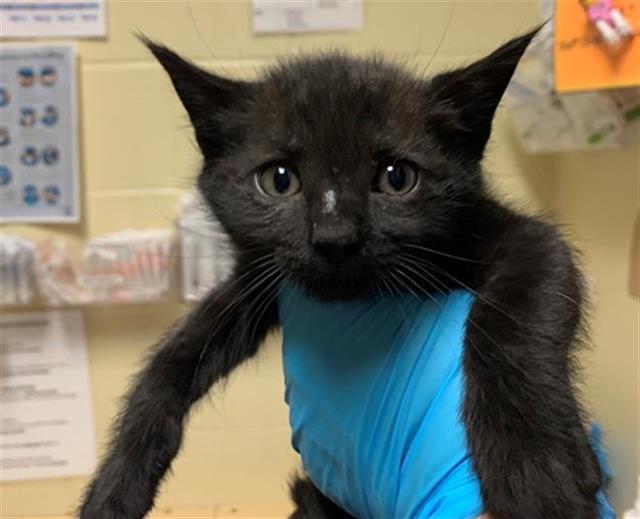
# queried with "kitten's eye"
point(396, 178)
point(278, 180)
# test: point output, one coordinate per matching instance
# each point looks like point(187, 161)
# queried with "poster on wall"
point(596, 45)
point(47, 420)
point(296, 16)
point(52, 19)
point(38, 135)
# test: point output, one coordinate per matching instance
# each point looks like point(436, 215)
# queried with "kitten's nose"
point(337, 242)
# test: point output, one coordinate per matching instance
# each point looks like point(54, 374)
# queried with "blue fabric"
point(374, 391)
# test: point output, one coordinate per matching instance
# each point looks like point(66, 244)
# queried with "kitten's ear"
point(461, 104)
point(204, 95)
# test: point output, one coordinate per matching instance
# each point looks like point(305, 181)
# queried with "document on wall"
point(38, 135)
point(295, 16)
point(582, 58)
point(52, 18)
point(47, 421)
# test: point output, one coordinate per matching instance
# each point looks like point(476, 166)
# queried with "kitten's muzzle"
point(336, 242)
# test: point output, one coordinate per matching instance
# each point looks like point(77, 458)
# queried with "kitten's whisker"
point(422, 272)
point(223, 317)
point(489, 338)
point(403, 284)
point(444, 254)
point(194, 22)
point(230, 256)
point(478, 294)
point(245, 250)
point(414, 283)
point(441, 41)
point(268, 302)
point(379, 289)
point(425, 266)
point(565, 296)
point(381, 294)
point(265, 260)
point(272, 299)
point(218, 323)
point(432, 298)
point(189, 230)
point(398, 278)
point(391, 289)
point(269, 256)
point(468, 319)
point(256, 301)
point(270, 269)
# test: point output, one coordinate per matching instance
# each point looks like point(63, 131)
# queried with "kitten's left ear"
point(461, 104)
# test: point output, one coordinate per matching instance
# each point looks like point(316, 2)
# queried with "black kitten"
point(328, 171)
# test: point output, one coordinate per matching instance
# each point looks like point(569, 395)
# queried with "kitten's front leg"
point(224, 330)
point(524, 425)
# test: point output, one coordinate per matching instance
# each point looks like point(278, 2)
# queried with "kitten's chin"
point(339, 287)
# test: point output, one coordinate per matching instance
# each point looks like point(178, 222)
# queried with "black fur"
point(339, 121)
point(311, 504)
point(225, 329)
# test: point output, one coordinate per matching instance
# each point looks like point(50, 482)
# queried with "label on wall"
point(47, 419)
point(38, 148)
point(52, 18)
point(294, 16)
point(583, 60)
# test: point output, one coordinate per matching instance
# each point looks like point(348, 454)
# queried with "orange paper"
point(583, 61)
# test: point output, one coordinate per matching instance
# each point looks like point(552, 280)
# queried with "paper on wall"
point(38, 134)
point(52, 18)
point(550, 122)
point(583, 60)
point(207, 255)
point(46, 423)
point(295, 16)
point(17, 270)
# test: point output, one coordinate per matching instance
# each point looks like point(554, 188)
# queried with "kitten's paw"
point(109, 507)
point(89, 511)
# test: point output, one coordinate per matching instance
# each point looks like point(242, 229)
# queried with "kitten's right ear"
point(462, 102)
point(204, 95)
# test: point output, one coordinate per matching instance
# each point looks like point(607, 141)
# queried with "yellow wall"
point(138, 156)
point(598, 196)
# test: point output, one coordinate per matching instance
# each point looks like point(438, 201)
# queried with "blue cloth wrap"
point(374, 391)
